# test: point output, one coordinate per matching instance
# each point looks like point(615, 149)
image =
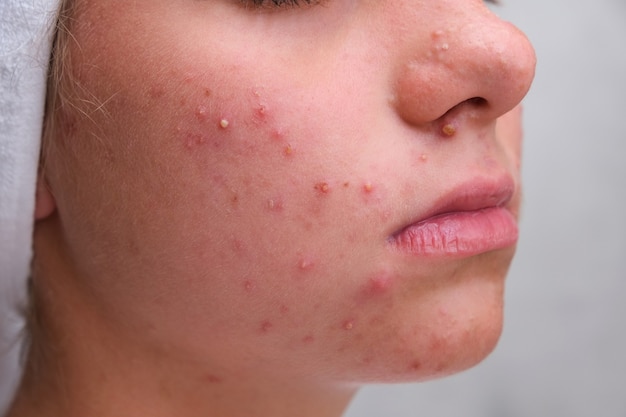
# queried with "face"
point(327, 190)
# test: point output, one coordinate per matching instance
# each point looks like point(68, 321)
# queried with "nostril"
point(474, 103)
point(477, 102)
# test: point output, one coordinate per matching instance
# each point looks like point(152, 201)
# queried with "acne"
point(308, 339)
point(224, 123)
point(266, 326)
point(275, 204)
point(448, 129)
point(348, 324)
point(415, 366)
point(212, 379)
point(248, 285)
point(322, 187)
point(306, 263)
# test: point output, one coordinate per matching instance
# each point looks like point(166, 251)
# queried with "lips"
point(471, 219)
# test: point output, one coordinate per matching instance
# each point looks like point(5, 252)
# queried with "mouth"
point(473, 218)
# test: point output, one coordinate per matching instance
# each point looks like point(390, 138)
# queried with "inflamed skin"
point(257, 208)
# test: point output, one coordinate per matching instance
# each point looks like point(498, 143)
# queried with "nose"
point(473, 63)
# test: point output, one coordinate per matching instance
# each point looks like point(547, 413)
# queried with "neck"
point(82, 365)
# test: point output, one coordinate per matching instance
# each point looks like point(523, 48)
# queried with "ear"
point(44, 200)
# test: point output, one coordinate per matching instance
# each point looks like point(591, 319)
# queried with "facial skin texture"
point(219, 201)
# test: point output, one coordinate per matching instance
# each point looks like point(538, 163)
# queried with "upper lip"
point(472, 195)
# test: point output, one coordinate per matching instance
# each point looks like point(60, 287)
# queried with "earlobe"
point(44, 200)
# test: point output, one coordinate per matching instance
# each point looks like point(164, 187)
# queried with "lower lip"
point(459, 234)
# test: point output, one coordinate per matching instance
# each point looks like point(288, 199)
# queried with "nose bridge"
point(463, 54)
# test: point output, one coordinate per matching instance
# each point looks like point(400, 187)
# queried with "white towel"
point(25, 39)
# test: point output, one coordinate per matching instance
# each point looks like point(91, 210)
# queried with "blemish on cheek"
point(283, 309)
point(288, 150)
point(322, 187)
point(348, 324)
point(224, 123)
point(212, 379)
point(423, 157)
point(368, 188)
point(346, 184)
point(248, 285)
point(202, 113)
point(306, 264)
point(193, 140)
point(377, 286)
point(275, 204)
point(156, 92)
point(307, 340)
point(266, 326)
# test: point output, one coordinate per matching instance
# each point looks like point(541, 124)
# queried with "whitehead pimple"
point(423, 157)
point(348, 324)
point(288, 150)
point(306, 264)
point(224, 123)
point(448, 129)
point(368, 188)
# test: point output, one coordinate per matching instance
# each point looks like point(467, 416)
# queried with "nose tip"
point(487, 65)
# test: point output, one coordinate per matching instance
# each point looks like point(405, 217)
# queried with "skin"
point(215, 211)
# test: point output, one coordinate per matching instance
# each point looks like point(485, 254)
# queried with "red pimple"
point(248, 285)
point(212, 379)
point(306, 264)
point(322, 187)
point(368, 187)
point(266, 326)
point(415, 366)
point(288, 150)
point(307, 340)
point(283, 309)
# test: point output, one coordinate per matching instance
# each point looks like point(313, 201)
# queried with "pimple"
point(275, 204)
point(156, 92)
point(212, 379)
point(248, 285)
point(224, 123)
point(448, 129)
point(307, 340)
point(415, 366)
point(377, 286)
point(322, 187)
point(368, 188)
point(348, 324)
point(423, 157)
point(266, 326)
point(306, 263)
point(192, 140)
point(288, 150)
point(283, 309)
point(202, 113)
point(346, 184)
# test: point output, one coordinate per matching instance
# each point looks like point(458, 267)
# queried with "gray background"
point(563, 351)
